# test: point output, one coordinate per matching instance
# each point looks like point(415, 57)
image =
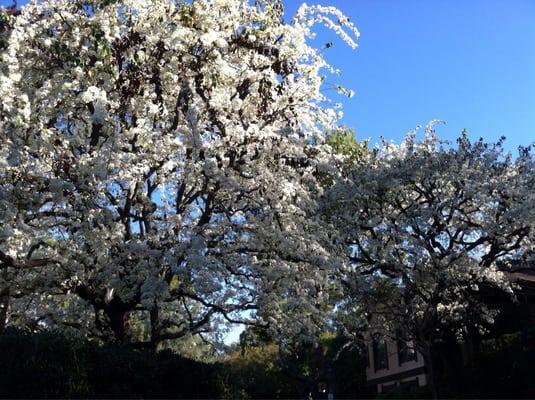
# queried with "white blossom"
point(174, 145)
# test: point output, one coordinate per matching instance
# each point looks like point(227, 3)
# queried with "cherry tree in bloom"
point(430, 228)
point(160, 158)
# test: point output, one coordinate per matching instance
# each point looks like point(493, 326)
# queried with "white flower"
point(209, 37)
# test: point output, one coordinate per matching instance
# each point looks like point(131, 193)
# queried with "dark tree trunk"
point(113, 308)
point(117, 320)
point(4, 309)
point(330, 381)
point(428, 358)
point(4, 300)
point(154, 328)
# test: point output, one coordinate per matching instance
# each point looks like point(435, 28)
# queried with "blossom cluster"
point(159, 156)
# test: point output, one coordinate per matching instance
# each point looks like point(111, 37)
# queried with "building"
point(391, 364)
point(394, 364)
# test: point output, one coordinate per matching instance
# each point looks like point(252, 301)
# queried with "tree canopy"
point(160, 159)
point(168, 168)
point(430, 230)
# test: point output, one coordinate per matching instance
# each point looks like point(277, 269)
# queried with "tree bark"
point(431, 378)
point(117, 318)
point(4, 308)
point(154, 328)
point(4, 301)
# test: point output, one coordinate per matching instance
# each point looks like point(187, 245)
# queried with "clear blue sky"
point(468, 62)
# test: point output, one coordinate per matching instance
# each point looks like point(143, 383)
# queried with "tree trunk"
point(117, 317)
point(428, 358)
point(330, 381)
point(4, 300)
point(154, 328)
point(4, 308)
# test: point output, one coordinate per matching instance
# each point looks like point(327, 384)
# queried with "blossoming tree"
point(429, 227)
point(157, 157)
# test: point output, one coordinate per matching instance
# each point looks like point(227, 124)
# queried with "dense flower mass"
point(431, 230)
point(171, 167)
point(157, 158)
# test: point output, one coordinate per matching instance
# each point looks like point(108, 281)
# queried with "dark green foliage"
point(259, 369)
point(255, 372)
point(349, 372)
point(504, 367)
point(43, 365)
point(406, 393)
point(51, 365)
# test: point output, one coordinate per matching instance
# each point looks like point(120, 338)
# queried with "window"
point(380, 355)
point(407, 385)
point(387, 388)
point(406, 352)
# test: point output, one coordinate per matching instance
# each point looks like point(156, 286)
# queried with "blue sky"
point(470, 63)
